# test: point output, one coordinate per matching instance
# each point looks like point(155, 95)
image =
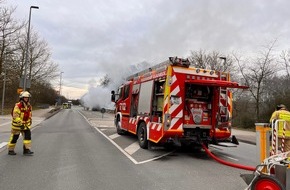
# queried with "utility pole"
point(60, 80)
point(27, 48)
point(4, 83)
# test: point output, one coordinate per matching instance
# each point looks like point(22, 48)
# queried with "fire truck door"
point(158, 100)
point(144, 105)
point(135, 100)
point(125, 106)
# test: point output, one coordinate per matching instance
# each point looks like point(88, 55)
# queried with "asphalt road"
point(77, 150)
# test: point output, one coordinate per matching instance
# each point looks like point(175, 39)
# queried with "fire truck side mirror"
point(113, 96)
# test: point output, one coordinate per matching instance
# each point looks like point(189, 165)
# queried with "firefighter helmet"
point(281, 106)
point(25, 94)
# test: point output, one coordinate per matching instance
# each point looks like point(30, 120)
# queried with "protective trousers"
point(15, 135)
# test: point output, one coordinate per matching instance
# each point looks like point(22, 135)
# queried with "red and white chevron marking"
point(176, 110)
point(150, 125)
point(230, 103)
point(226, 101)
point(283, 137)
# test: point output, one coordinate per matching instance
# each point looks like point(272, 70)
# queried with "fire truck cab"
point(174, 102)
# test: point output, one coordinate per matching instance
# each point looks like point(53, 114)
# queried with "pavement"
point(245, 136)
point(37, 115)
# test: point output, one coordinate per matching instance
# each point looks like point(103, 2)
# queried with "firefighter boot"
point(11, 152)
point(27, 151)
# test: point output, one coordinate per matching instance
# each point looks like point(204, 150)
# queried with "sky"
point(92, 38)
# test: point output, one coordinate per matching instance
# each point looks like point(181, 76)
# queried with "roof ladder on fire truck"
point(160, 66)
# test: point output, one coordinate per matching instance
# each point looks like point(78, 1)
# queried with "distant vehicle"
point(66, 105)
point(69, 104)
point(96, 108)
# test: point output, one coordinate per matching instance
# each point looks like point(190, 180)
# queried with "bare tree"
point(256, 72)
point(41, 66)
point(13, 39)
point(213, 60)
point(285, 56)
point(8, 33)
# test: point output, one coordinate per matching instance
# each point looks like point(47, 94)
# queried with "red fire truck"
point(174, 102)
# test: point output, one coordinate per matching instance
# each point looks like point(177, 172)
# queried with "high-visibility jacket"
point(22, 116)
point(282, 115)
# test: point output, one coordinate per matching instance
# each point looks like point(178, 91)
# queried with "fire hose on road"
point(227, 163)
point(274, 171)
point(255, 181)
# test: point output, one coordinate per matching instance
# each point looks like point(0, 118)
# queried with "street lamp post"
point(225, 59)
point(225, 62)
point(60, 84)
point(4, 86)
point(59, 98)
point(27, 48)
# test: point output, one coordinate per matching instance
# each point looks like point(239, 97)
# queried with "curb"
point(52, 113)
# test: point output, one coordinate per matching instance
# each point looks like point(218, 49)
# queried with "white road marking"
point(231, 158)
point(113, 136)
point(106, 126)
point(2, 124)
point(155, 158)
point(122, 150)
point(128, 155)
point(214, 147)
point(131, 149)
point(3, 144)
point(116, 145)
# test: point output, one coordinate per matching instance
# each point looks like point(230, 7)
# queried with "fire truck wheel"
point(265, 182)
point(142, 136)
point(119, 130)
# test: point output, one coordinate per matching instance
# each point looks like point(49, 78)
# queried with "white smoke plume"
point(99, 97)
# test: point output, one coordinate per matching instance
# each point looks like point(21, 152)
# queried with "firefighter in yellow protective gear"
point(282, 113)
point(21, 123)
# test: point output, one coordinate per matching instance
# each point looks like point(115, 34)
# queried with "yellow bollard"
point(263, 131)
